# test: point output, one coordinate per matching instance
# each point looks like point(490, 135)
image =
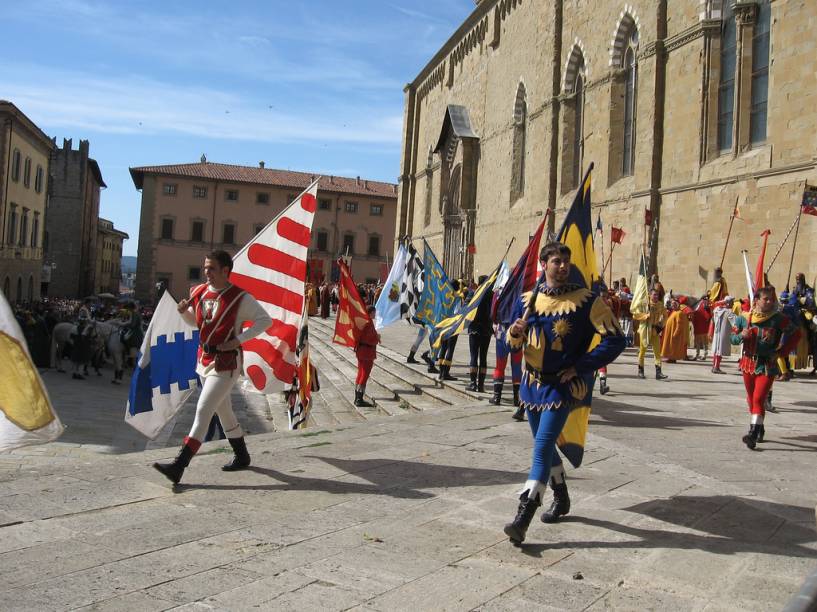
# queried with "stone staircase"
point(395, 387)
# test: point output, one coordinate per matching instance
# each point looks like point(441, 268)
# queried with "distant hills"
point(128, 263)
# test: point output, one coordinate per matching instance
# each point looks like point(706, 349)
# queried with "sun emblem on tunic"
point(561, 328)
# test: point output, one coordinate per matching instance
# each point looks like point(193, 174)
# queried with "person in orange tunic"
point(676, 333)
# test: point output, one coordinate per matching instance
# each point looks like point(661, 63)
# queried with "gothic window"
point(38, 179)
point(630, 94)
point(15, 165)
point(574, 83)
point(27, 172)
point(760, 73)
point(520, 120)
point(23, 228)
point(726, 90)
point(12, 231)
point(578, 121)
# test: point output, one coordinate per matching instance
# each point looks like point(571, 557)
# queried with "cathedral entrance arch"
point(458, 147)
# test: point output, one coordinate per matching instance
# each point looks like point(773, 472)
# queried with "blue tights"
point(546, 427)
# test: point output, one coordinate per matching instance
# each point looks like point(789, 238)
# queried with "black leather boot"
point(472, 386)
point(560, 505)
point(516, 394)
point(447, 374)
point(410, 358)
point(518, 414)
point(516, 529)
point(496, 398)
point(481, 382)
point(641, 372)
point(432, 369)
point(660, 375)
point(750, 439)
point(242, 457)
point(603, 387)
point(173, 471)
point(761, 433)
point(360, 402)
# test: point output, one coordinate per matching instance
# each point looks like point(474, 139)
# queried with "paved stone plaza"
point(402, 506)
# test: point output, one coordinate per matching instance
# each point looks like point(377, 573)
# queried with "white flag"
point(165, 374)
point(26, 414)
point(272, 267)
point(388, 304)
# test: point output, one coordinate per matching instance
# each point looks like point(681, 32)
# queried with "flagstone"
point(136, 601)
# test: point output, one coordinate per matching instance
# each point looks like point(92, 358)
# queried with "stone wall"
point(690, 188)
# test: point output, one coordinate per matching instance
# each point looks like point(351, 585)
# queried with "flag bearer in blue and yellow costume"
point(555, 326)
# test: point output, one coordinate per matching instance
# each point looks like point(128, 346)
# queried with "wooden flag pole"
point(782, 244)
point(794, 248)
point(729, 233)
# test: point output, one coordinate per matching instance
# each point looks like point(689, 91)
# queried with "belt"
point(211, 349)
point(369, 345)
point(543, 377)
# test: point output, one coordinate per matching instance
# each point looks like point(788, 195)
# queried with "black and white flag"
point(412, 286)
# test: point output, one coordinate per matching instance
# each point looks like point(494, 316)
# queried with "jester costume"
point(560, 331)
point(770, 335)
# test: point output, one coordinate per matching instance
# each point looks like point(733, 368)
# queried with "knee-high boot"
point(241, 460)
point(472, 386)
point(516, 394)
point(481, 381)
point(496, 398)
point(173, 471)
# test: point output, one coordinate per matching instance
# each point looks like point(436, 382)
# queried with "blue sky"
point(313, 85)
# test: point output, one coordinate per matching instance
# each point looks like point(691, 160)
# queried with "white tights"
point(215, 399)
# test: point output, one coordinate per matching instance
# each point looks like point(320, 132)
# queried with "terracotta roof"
point(266, 176)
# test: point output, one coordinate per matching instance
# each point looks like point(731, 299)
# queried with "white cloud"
point(134, 104)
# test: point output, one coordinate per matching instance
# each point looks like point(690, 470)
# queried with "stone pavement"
point(670, 510)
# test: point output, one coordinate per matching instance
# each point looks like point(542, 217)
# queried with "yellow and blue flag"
point(577, 233)
point(640, 304)
point(437, 300)
point(450, 327)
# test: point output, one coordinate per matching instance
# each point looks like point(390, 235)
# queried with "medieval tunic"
point(650, 325)
point(560, 331)
point(366, 353)
point(722, 319)
point(771, 334)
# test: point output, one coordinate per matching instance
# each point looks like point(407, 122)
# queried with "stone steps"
point(410, 383)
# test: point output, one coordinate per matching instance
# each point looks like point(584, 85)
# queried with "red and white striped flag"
point(272, 267)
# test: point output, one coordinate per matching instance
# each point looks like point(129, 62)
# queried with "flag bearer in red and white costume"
point(220, 310)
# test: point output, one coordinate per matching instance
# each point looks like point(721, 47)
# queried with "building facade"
point(687, 110)
point(72, 221)
point(109, 242)
point(191, 209)
point(24, 162)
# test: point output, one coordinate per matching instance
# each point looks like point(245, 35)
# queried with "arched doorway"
point(31, 289)
point(7, 288)
point(454, 223)
point(19, 289)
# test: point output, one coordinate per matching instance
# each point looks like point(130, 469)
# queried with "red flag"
point(617, 234)
point(759, 269)
point(272, 267)
point(523, 278)
point(647, 216)
point(352, 315)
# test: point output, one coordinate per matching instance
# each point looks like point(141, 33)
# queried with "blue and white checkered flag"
point(165, 374)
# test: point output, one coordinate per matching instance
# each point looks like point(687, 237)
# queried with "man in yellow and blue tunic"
point(556, 333)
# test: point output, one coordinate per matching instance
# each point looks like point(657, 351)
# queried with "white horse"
point(109, 332)
point(60, 336)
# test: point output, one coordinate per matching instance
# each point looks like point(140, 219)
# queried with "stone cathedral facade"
point(687, 109)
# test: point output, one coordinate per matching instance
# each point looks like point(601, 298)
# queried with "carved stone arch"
point(628, 22)
point(576, 64)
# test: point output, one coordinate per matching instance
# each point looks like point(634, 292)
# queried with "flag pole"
point(729, 233)
point(794, 247)
point(782, 244)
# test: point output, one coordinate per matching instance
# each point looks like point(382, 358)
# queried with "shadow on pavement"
point(401, 479)
point(619, 414)
point(731, 524)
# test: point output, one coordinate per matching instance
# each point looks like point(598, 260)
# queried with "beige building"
point(685, 108)
point(109, 242)
point(191, 209)
point(24, 161)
